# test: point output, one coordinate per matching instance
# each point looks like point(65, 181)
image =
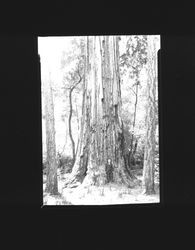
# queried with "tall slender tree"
point(149, 153)
point(52, 183)
point(133, 144)
point(101, 131)
point(134, 59)
point(72, 87)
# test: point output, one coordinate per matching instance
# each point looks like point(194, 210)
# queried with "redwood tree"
point(149, 154)
point(101, 130)
point(52, 183)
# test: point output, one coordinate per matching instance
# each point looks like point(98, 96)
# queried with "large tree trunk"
point(149, 154)
point(101, 135)
point(52, 183)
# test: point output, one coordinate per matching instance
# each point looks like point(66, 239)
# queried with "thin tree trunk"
point(149, 154)
point(78, 130)
point(77, 146)
point(70, 118)
point(70, 126)
point(52, 183)
point(131, 154)
point(65, 142)
point(101, 135)
point(77, 117)
point(135, 146)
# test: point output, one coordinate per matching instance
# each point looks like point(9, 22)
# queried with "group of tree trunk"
point(100, 156)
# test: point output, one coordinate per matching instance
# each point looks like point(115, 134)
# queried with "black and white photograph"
point(100, 119)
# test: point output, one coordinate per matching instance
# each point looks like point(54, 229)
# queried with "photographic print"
point(100, 120)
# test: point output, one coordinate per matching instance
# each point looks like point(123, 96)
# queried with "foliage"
point(135, 56)
point(72, 62)
point(137, 161)
point(72, 65)
point(65, 163)
point(133, 60)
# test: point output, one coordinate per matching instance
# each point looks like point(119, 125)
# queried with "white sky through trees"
point(51, 48)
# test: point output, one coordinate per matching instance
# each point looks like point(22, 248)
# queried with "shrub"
point(65, 163)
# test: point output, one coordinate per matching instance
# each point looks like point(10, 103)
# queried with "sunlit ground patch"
point(109, 194)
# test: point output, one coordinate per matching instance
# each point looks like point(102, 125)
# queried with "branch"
point(133, 90)
point(80, 79)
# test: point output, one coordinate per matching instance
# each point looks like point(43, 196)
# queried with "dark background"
point(23, 221)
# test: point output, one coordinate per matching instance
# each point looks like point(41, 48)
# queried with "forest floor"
point(109, 194)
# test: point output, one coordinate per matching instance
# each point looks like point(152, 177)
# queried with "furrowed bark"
point(148, 171)
point(131, 153)
point(101, 135)
point(70, 126)
point(52, 183)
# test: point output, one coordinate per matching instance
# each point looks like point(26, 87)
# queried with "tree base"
point(52, 187)
point(73, 181)
point(52, 191)
point(148, 192)
point(99, 178)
